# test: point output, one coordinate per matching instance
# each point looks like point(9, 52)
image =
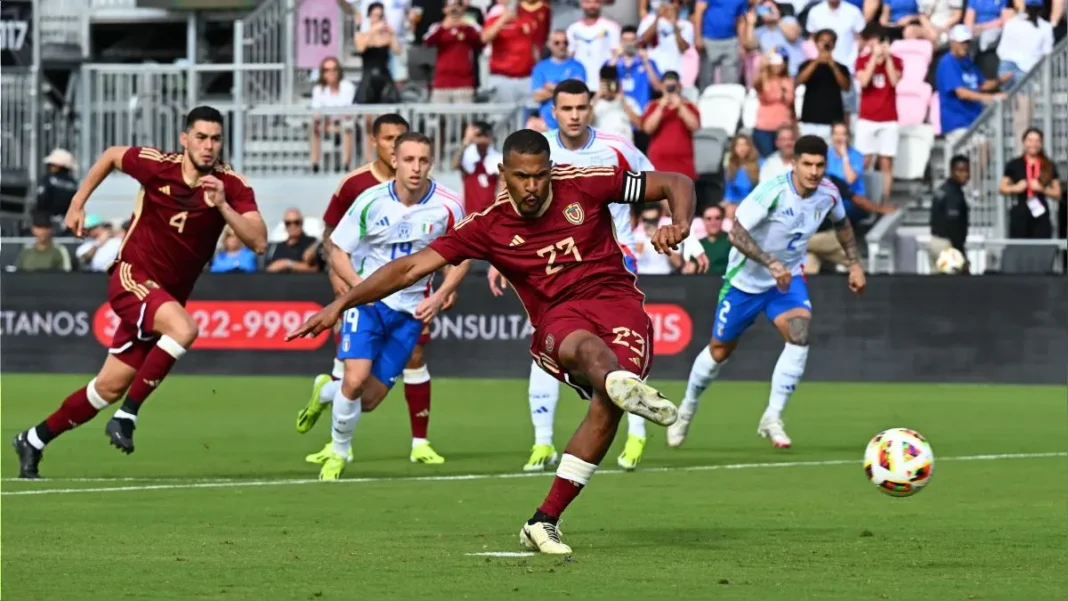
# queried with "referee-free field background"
point(217, 503)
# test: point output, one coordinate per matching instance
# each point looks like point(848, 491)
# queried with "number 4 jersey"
point(379, 228)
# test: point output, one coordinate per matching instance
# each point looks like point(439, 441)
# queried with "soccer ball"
point(950, 261)
point(899, 462)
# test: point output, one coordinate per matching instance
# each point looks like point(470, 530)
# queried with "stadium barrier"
point(989, 329)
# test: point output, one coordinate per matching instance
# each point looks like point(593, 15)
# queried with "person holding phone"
point(670, 122)
point(825, 79)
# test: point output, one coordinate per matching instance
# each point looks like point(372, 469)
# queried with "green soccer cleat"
point(310, 413)
point(424, 453)
point(324, 455)
point(333, 467)
point(541, 456)
point(632, 453)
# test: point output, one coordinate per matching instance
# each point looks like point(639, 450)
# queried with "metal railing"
point(265, 36)
point(1039, 99)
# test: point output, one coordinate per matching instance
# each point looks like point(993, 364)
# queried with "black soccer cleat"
point(29, 457)
point(120, 432)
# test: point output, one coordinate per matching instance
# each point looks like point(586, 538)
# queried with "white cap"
point(775, 59)
point(960, 33)
point(60, 158)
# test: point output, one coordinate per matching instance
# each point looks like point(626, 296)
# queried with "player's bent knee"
point(172, 320)
point(114, 379)
point(416, 361)
point(721, 351)
point(794, 326)
point(581, 349)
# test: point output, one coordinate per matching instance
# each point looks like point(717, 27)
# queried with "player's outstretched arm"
point(109, 160)
point(678, 190)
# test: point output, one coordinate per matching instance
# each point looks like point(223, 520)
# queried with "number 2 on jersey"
point(793, 241)
point(178, 221)
point(566, 246)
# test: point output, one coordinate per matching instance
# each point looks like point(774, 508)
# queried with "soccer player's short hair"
point(810, 145)
point(526, 141)
point(411, 136)
point(957, 160)
point(203, 113)
point(388, 119)
point(570, 86)
point(628, 29)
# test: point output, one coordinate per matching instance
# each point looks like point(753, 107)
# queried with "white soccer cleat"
point(543, 537)
point(676, 432)
point(773, 429)
point(632, 395)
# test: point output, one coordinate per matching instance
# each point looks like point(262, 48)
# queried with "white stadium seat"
point(749, 109)
point(721, 106)
point(799, 99)
point(913, 151)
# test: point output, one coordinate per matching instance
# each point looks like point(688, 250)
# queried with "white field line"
point(503, 554)
point(235, 483)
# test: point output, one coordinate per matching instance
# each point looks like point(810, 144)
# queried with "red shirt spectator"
point(878, 99)
point(670, 123)
point(477, 162)
point(456, 40)
point(512, 42)
point(541, 14)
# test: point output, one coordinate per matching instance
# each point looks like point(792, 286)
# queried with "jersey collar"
point(429, 192)
point(587, 145)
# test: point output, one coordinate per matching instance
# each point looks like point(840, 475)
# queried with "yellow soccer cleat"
point(541, 457)
point(632, 453)
point(424, 453)
point(333, 467)
point(324, 455)
point(310, 413)
point(543, 537)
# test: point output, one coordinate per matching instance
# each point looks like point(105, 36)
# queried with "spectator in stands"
point(332, 91)
point(541, 15)
point(718, 23)
point(1033, 180)
point(396, 14)
point(551, 71)
point(670, 122)
point(423, 14)
point(477, 162)
point(1052, 11)
point(775, 88)
point(456, 41)
point(878, 73)
point(102, 244)
point(594, 40)
point(650, 262)
point(57, 186)
point(376, 47)
point(43, 254)
point(949, 212)
point(777, 34)
point(824, 245)
point(297, 254)
point(715, 242)
point(639, 75)
point(845, 20)
point(668, 33)
point(938, 16)
point(782, 160)
point(509, 36)
point(844, 161)
point(614, 111)
point(962, 90)
point(985, 19)
point(233, 256)
point(901, 19)
point(1025, 39)
point(647, 7)
point(825, 80)
point(742, 173)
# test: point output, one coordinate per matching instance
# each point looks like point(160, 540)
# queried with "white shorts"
point(815, 129)
point(877, 137)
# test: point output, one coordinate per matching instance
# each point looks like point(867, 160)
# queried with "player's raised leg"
point(417, 396)
point(543, 394)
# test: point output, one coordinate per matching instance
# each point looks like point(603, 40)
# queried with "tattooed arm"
point(843, 230)
point(740, 239)
point(749, 214)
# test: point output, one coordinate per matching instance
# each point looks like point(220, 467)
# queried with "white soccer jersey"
point(592, 45)
point(781, 222)
point(604, 150)
point(379, 228)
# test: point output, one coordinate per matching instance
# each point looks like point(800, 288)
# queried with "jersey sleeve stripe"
point(634, 183)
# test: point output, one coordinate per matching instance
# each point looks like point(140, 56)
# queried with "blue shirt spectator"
point(900, 9)
point(742, 173)
point(551, 71)
point(776, 36)
point(953, 73)
point(636, 76)
point(233, 256)
point(987, 10)
point(841, 153)
point(720, 18)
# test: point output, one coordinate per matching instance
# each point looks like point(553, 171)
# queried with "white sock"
point(543, 394)
point(34, 440)
point(417, 441)
point(788, 371)
point(346, 414)
point(329, 391)
point(704, 371)
point(635, 425)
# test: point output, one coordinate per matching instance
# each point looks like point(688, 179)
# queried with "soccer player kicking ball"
point(550, 235)
point(772, 227)
point(185, 201)
point(388, 221)
point(384, 133)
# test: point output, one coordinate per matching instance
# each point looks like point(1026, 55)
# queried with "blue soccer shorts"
point(382, 335)
point(738, 310)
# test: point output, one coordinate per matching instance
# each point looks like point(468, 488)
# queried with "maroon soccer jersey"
point(173, 232)
point(567, 253)
point(354, 184)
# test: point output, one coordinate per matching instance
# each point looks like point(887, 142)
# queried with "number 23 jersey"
point(379, 228)
point(567, 253)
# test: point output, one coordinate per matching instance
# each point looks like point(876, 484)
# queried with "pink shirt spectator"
point(776, 104)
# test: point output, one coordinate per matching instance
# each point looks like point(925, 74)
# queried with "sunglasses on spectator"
point(294, 222)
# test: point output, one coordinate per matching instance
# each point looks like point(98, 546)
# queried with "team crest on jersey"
point(574, 214)
point(404, 230)
point(550, 342)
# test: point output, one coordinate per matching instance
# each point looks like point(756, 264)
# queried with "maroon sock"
point(75, 411)
point(157, 365)
point(562, 493)
point(418, 397)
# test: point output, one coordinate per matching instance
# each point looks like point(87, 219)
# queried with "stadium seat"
point(1028, 259)
point(721, 106)
point(873, 183)
point(690, 68)
point(913, 152)
point(916, 56)
point(934, 115)
point(749, 109)
point(799, 99)
point(708, 146)
point(913, 102)
point(691, 94)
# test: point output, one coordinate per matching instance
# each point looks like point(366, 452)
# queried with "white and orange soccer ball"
point(899, 462)
point(950, 261)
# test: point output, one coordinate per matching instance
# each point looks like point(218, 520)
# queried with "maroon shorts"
point(135, 299)
point(623, 325)
point(424, 337)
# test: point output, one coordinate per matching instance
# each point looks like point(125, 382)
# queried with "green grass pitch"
point(217, 504)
